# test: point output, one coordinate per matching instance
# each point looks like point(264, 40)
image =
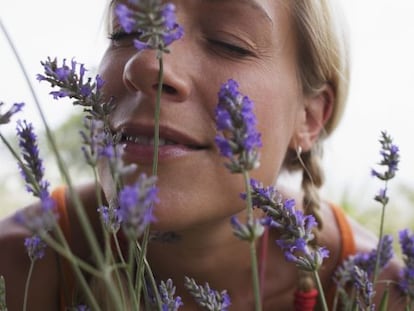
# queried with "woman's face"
point(251, 41)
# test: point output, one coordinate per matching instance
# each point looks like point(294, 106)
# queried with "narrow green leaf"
point(384, 300)
point(3, 306)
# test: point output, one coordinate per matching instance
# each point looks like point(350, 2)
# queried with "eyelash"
point(231, 48)
point(119, 35)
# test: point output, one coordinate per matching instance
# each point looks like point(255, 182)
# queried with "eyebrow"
point(251, 3)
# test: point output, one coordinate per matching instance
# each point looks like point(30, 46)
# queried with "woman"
point(292, 62)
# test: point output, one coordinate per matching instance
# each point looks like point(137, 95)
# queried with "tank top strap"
point(346, 235)
point(67, 281)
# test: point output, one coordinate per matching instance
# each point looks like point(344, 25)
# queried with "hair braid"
point(312, 180)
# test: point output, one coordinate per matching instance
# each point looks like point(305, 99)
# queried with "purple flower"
point(154, 23)
point(125, 17)
point(167, 292)
point(81, 308)
point(71, 83)
point(295, 237)
point(110, 218)
point(406, 283)
point(15, 108)
point(135, 206)
point(31, 167)
point(237, 138)
point(390, 159)
point(206, 297)
point(94, 140)
point(346, 273)
point(39, 221)
point(266, 198)
point(35, 247)
point(296, 229)
point(406, 239)
point(366, 261)
point(364, 290)
point(249, 231)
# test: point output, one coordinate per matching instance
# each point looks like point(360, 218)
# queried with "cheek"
point(277, 123)
point(111, 71)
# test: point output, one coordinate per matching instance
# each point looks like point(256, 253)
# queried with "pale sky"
point(381, 96)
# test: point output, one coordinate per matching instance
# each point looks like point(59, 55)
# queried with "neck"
point(208, 253)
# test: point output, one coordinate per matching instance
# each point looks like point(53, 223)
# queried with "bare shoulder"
point(15, 265)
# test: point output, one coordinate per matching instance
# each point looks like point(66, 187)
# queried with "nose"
point(141, 74)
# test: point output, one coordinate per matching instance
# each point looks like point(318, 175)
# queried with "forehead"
point(265, 8)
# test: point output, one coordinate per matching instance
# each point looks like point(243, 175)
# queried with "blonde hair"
point(323, 58)
point(323, 55)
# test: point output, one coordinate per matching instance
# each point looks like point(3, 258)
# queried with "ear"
point(316, 112)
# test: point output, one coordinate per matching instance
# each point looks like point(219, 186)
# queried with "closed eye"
point(122, 38)
point(231, 48)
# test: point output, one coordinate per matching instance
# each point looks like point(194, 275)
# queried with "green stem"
point(76, 263)
point(253, 256)
point(335, 301)
point(26, 287)
point(380, 236)
point(78, 206)
point(320, 290)
point(73, 196)
point(121, 258)
point(152, 281)
point(154, 166)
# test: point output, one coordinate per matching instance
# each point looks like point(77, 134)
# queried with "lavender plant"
point(239, 141)
point(155, 27)
point(169, 301)
point(407, 273)
point(206, 297)
point(364, 268)
point(295, 230)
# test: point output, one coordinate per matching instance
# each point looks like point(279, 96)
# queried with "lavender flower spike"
point(167, 292)
point(31, 167)
point(249, 231)
point(154, 22)
point(365, 290)
point(407, 274)
point(32, 170)
point(346, 274)
point(390, 159)
point(206, 297)
point(5, 117)
point(93, 140)
point(237, 138)
point(135, 206)
point(71, 83)
point(35, 247)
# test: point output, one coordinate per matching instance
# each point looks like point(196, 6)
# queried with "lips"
point(139, 142)
point(145, 140)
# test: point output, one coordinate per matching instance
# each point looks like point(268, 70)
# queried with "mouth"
point(139, 141)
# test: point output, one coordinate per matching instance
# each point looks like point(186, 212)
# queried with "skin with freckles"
point(194, 180)
point(254, 42)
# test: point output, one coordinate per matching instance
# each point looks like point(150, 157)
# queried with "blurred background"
point(381, 97)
